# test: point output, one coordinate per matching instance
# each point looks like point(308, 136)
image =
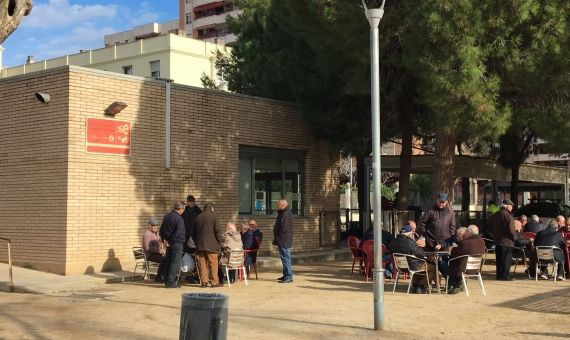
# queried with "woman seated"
point(232, 242)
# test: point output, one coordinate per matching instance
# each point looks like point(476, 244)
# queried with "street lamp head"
point(374, 15)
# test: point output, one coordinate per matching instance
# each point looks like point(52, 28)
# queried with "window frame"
point(128, 68)
point(253, 154)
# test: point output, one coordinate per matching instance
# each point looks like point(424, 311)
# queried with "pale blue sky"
point(59, 27)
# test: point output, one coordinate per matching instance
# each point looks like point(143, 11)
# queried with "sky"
point(56, 28)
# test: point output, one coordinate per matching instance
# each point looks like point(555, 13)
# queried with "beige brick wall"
point(109, 198)
point(33, 167)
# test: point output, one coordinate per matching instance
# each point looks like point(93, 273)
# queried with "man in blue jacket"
point(174, 233)
point(283, 238)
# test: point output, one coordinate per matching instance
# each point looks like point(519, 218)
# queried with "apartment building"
point(181, 59)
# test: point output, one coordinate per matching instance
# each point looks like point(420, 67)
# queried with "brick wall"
point(109, 198)
point(33, 168)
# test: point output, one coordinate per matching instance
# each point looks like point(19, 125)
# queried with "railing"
point(9, 263)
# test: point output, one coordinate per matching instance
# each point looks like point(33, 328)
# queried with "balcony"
point(213, 20)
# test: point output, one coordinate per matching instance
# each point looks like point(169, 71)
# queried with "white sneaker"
point(561, 278)
point(544, 276)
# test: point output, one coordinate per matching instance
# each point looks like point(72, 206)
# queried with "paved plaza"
point(323, 302)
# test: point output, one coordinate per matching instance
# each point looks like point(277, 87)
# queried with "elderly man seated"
point(550, 237)
point(405, 244)
point(153, 249)
point(470, 243)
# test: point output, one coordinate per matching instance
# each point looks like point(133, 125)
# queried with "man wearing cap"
point(437, 225)
point(405, 244)
point(153, 249)
point(174, 233)
point(189, 215)
point(503, 224)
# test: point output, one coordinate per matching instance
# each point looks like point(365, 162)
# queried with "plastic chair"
point(368, 250)
point(488, 250)
point(357, 254)
point(401, 265)
point(235, 262)
point(474, 263)
point(545, 256)
point(140, 260)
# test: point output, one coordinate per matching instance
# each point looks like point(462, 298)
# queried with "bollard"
point(204, 316)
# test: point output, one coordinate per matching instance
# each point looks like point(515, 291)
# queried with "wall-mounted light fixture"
point(115, 108)
point(42, 97)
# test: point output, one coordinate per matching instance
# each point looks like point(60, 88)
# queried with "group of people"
point(436, 231)
point(187, 229)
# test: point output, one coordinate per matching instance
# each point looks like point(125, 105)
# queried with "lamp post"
point(374, 15)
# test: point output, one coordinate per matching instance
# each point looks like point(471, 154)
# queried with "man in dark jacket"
point(472, 244)
point(503, 233)
point(405, 244)
point(190, 213)
point(551, 236)
point(174, 233)
point(437, 225)
point(283, 238)
point(533, 225)
point(209, 238)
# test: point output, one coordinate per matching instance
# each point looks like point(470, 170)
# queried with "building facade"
point(77, 186)
point(169, 56)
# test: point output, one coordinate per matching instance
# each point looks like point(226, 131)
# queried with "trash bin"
point(204, 316)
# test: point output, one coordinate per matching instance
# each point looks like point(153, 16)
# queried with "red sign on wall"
point(108, 136)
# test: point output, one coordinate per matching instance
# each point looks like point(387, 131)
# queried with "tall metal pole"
point(374, 16)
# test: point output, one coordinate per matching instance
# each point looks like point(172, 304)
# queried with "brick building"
point(72, 205)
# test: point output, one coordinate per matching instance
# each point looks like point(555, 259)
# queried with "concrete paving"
point(33, 281)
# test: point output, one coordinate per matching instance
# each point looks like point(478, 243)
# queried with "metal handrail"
point(12, 290)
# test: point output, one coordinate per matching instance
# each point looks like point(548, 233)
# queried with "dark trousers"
point(161, 260)
point(504, 259)
point(172, 263)
point(558, 257)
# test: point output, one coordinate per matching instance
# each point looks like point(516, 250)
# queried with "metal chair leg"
point(410, 284)
point(244, 276)
point(228, 276)
point(396, 282)
point(481, 284)
point(429, 283)
point(465, 284)
point(536, 272)
point(446, 282)
point(555, 271)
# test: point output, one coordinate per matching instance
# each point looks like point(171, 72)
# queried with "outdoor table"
point(437, 255)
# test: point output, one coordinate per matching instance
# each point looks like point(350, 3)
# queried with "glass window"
point(128, 70)
point(275, 174)
point(155, 68)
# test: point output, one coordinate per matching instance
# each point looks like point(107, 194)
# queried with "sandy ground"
point(324, 302)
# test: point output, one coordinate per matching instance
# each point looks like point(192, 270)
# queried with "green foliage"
point(422, 185)
point(388, 191)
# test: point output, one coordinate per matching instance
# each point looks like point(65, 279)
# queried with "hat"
point(406, 229)
point(153, 221)
point(442, 197)
point(507, 202)
point(190, 198)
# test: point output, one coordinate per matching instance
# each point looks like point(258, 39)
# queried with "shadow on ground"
point(555, 302)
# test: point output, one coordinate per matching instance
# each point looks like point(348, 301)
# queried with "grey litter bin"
point(204, 316)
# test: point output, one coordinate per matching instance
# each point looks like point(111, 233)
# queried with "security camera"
point(42, 97)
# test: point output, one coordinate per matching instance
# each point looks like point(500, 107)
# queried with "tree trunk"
point(11, 13)
point(363, 183)
point(405, 163)
point(465, 193)
point(442, 180)
point(515, 184)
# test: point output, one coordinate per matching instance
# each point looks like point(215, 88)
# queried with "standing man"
point(209, 238)
point(174, 233)
point(283, 238)
point(437, 225)
point(190, 213)
point(503, 224)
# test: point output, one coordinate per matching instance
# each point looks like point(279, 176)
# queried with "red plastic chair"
point(357, 254)
point(529, 235)
point(368, 250)
point(253, 265)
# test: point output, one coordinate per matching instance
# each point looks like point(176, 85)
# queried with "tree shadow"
point(553, 302)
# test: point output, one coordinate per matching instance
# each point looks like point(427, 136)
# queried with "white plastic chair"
point(235, 262)
point(401, 265)
point(474, 263)
point(545, 256)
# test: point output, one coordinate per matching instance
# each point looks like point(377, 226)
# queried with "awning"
point(208, 6)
